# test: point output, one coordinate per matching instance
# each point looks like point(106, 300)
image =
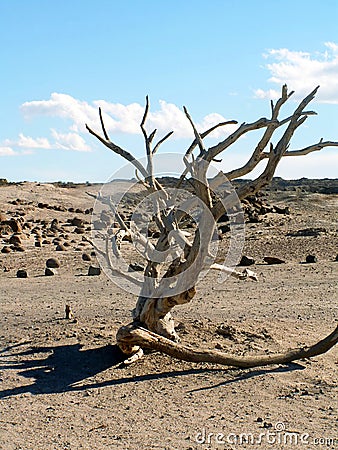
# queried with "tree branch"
point(133, 335)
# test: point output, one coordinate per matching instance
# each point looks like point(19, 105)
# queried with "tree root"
point(135, 337)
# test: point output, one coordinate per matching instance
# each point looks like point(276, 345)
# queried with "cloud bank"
point(118, 118)
point(302, 72)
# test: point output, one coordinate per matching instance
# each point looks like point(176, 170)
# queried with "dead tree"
point(161, 289)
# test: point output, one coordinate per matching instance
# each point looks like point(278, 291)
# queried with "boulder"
point(15, 239)
point(311, 259)
point(92, 271)
point(49, 272)
point(52, 263)
point(21, 273)
point(77, 222)
point(246, 261)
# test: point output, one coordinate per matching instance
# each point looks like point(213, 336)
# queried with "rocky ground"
point(62, 382)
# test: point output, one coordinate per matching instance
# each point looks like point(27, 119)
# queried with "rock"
point(15, 240)
point(15, 225)
point(21, 273)
point(279, 210)
point(311, 259)
point(86, 257)
point(337, 258)
point(135, 267)
point(60, 248)
point(77, 222)
point(37, 244)
point(17, 248)
point(6, 249)
point(224, 228)
point(45, 241)
point(68, 312)
point(94, 271)
point(273, 260)
point(79, 230)
point(246, 261)
point(52, 263)
point(49, 272)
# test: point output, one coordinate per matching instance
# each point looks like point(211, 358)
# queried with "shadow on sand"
point(66, 365)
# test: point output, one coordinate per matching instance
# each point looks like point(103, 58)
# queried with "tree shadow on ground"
point(66, 365)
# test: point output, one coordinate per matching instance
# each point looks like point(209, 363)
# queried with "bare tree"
point(163, 285)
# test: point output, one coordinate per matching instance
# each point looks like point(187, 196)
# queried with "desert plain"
point(63, 385)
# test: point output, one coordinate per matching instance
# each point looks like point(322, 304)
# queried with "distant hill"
point(320, 186)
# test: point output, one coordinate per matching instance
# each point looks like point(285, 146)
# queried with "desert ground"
point(63, 384)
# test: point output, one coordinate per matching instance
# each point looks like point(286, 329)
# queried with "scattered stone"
point(66, 244)
point(86, 257)
point(337, 258)
point(17, 248)
point(6, 249)
point(45, 241)
point(79, 230)
point(77, 222)
point(21, 273)
point(273, 260)
point(50, 272)
point(311, 259)
point(246, 261)
point(60, 248)
point(52, 263)
point(94, 271)
point(135, 267)
point(68, 312)
point(224, 228)
point(54, 225)
point(15, 225)
point(15, 240)
point(37, 243)
point(279, 210)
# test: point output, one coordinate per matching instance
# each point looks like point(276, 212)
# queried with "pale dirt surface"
point(62, 385)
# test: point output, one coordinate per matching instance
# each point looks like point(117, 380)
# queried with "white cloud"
point(303, 71)
point(119, 118)
point(7, 151)
point(63, 106)
point(32, 143)
point(70, 141)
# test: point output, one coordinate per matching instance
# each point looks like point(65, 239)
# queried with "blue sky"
point(222, 59)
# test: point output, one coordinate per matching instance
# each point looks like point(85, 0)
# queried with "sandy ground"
point(62, 382)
